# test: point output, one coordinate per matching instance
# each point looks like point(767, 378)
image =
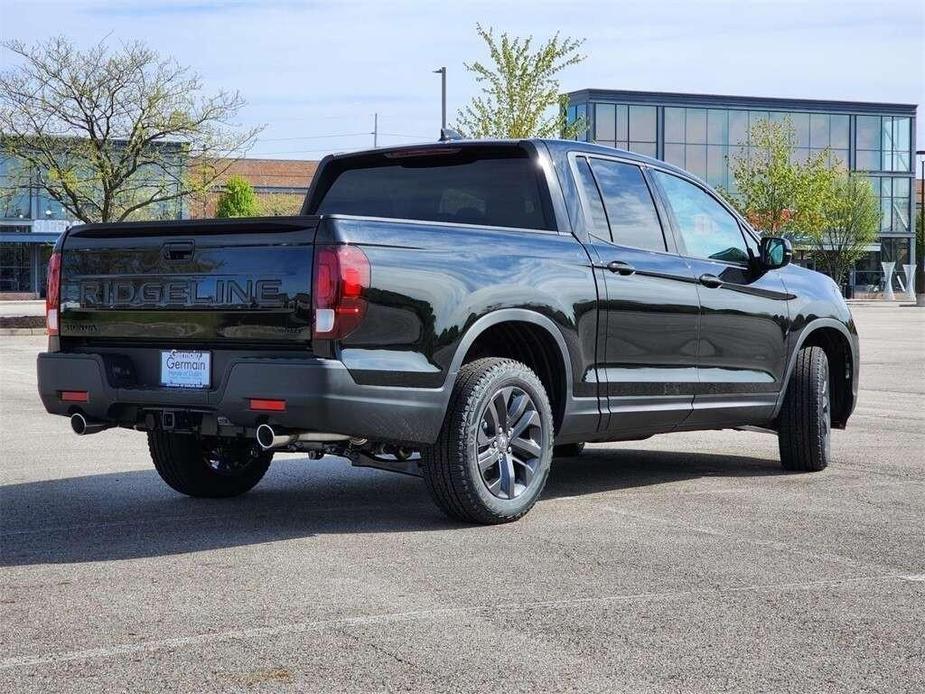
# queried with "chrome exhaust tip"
point(83, 427)
point(268, 438)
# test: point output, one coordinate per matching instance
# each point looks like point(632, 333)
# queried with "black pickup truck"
point(462, 311)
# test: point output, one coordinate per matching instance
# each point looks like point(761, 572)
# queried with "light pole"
point(918, 220)
point(442, 72)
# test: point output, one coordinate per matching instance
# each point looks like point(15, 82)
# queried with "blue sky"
point(315, 71)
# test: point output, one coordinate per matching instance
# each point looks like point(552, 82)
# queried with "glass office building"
point(702, 133)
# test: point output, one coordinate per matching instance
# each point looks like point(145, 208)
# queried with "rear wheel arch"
point(528, 337)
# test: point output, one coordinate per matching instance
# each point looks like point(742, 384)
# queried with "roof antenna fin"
point(447, 134)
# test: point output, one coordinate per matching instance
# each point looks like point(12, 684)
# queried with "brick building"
point(280, 185)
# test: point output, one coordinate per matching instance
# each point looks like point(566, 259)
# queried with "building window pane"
point(886, 134)
point(801, 127)
point(644, 148)
point(868, 135)
point(867, 161)
point(901, 134)
point(629, 205)
point(696, 128)
point(894, 250)
point(695, 159)
point(674, 154)
point(15, 267)
point(716, 165)
point(886, 217)
point(642, 123)
point(717, 127)
point(738, 127)
point(839, 133)
point(839, 157)
point(622, 125)
point(901, 215)
point(605, 122)
point(779, 117)
point(674, 125)
point(818, 130)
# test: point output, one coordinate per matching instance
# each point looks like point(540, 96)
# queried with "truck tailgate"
point(222, 283)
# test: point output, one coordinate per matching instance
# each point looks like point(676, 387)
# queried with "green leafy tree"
point(520, 88)
point(109, 133)
point(237, 199)
point(823, 208)
point(776, 194)
point(852, 221)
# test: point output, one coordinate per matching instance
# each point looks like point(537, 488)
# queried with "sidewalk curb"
point(22, 331)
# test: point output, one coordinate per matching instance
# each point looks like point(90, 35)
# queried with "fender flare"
point(808, 330)
point(508, 315)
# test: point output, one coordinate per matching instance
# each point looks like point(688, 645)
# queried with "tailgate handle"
point(178, 250)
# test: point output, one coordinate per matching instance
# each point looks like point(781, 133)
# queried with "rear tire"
point(568, 450)
point(491, 460)
point(211, 468)
point(805, 426)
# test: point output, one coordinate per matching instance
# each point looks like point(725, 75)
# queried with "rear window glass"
point(493, 191)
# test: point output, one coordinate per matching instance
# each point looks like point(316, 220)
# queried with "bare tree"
point(108, 133)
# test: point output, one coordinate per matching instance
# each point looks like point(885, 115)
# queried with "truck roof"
point(553, 145)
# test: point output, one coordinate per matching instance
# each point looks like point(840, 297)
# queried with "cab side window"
point(708, 230)
point(595, 212)
point(629, 205)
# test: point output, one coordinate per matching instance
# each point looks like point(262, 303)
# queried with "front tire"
point(491, 460)
point(207, 467)
point(805, 426)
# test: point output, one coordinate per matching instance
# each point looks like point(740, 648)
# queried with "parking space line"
point(415, 615)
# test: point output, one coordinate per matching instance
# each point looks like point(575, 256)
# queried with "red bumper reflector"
point(74, 396)
point(268, 405)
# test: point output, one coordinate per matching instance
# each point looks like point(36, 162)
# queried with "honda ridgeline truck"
point(461, 311)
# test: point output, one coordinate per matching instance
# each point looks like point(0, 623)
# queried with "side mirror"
point(775, 252)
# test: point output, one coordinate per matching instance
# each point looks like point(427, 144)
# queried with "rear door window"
point(629, 205)
point(464, 188)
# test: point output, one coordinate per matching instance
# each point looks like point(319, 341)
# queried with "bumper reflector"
point(263, 405)
point(74, 396)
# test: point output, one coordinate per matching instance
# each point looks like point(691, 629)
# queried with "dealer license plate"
point(186, 369)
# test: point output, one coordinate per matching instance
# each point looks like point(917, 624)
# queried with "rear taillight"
point(53, 293)
point(340, 280)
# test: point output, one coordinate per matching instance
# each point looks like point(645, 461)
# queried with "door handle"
point(711, 281)
point(620, 267)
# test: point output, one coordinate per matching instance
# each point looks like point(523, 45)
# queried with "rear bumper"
point(320, 396)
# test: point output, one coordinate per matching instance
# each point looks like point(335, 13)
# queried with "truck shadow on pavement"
point(133, 514)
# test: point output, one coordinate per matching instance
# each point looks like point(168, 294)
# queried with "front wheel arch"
point(840, 348)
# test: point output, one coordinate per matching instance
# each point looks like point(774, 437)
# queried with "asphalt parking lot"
point(685, 563)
